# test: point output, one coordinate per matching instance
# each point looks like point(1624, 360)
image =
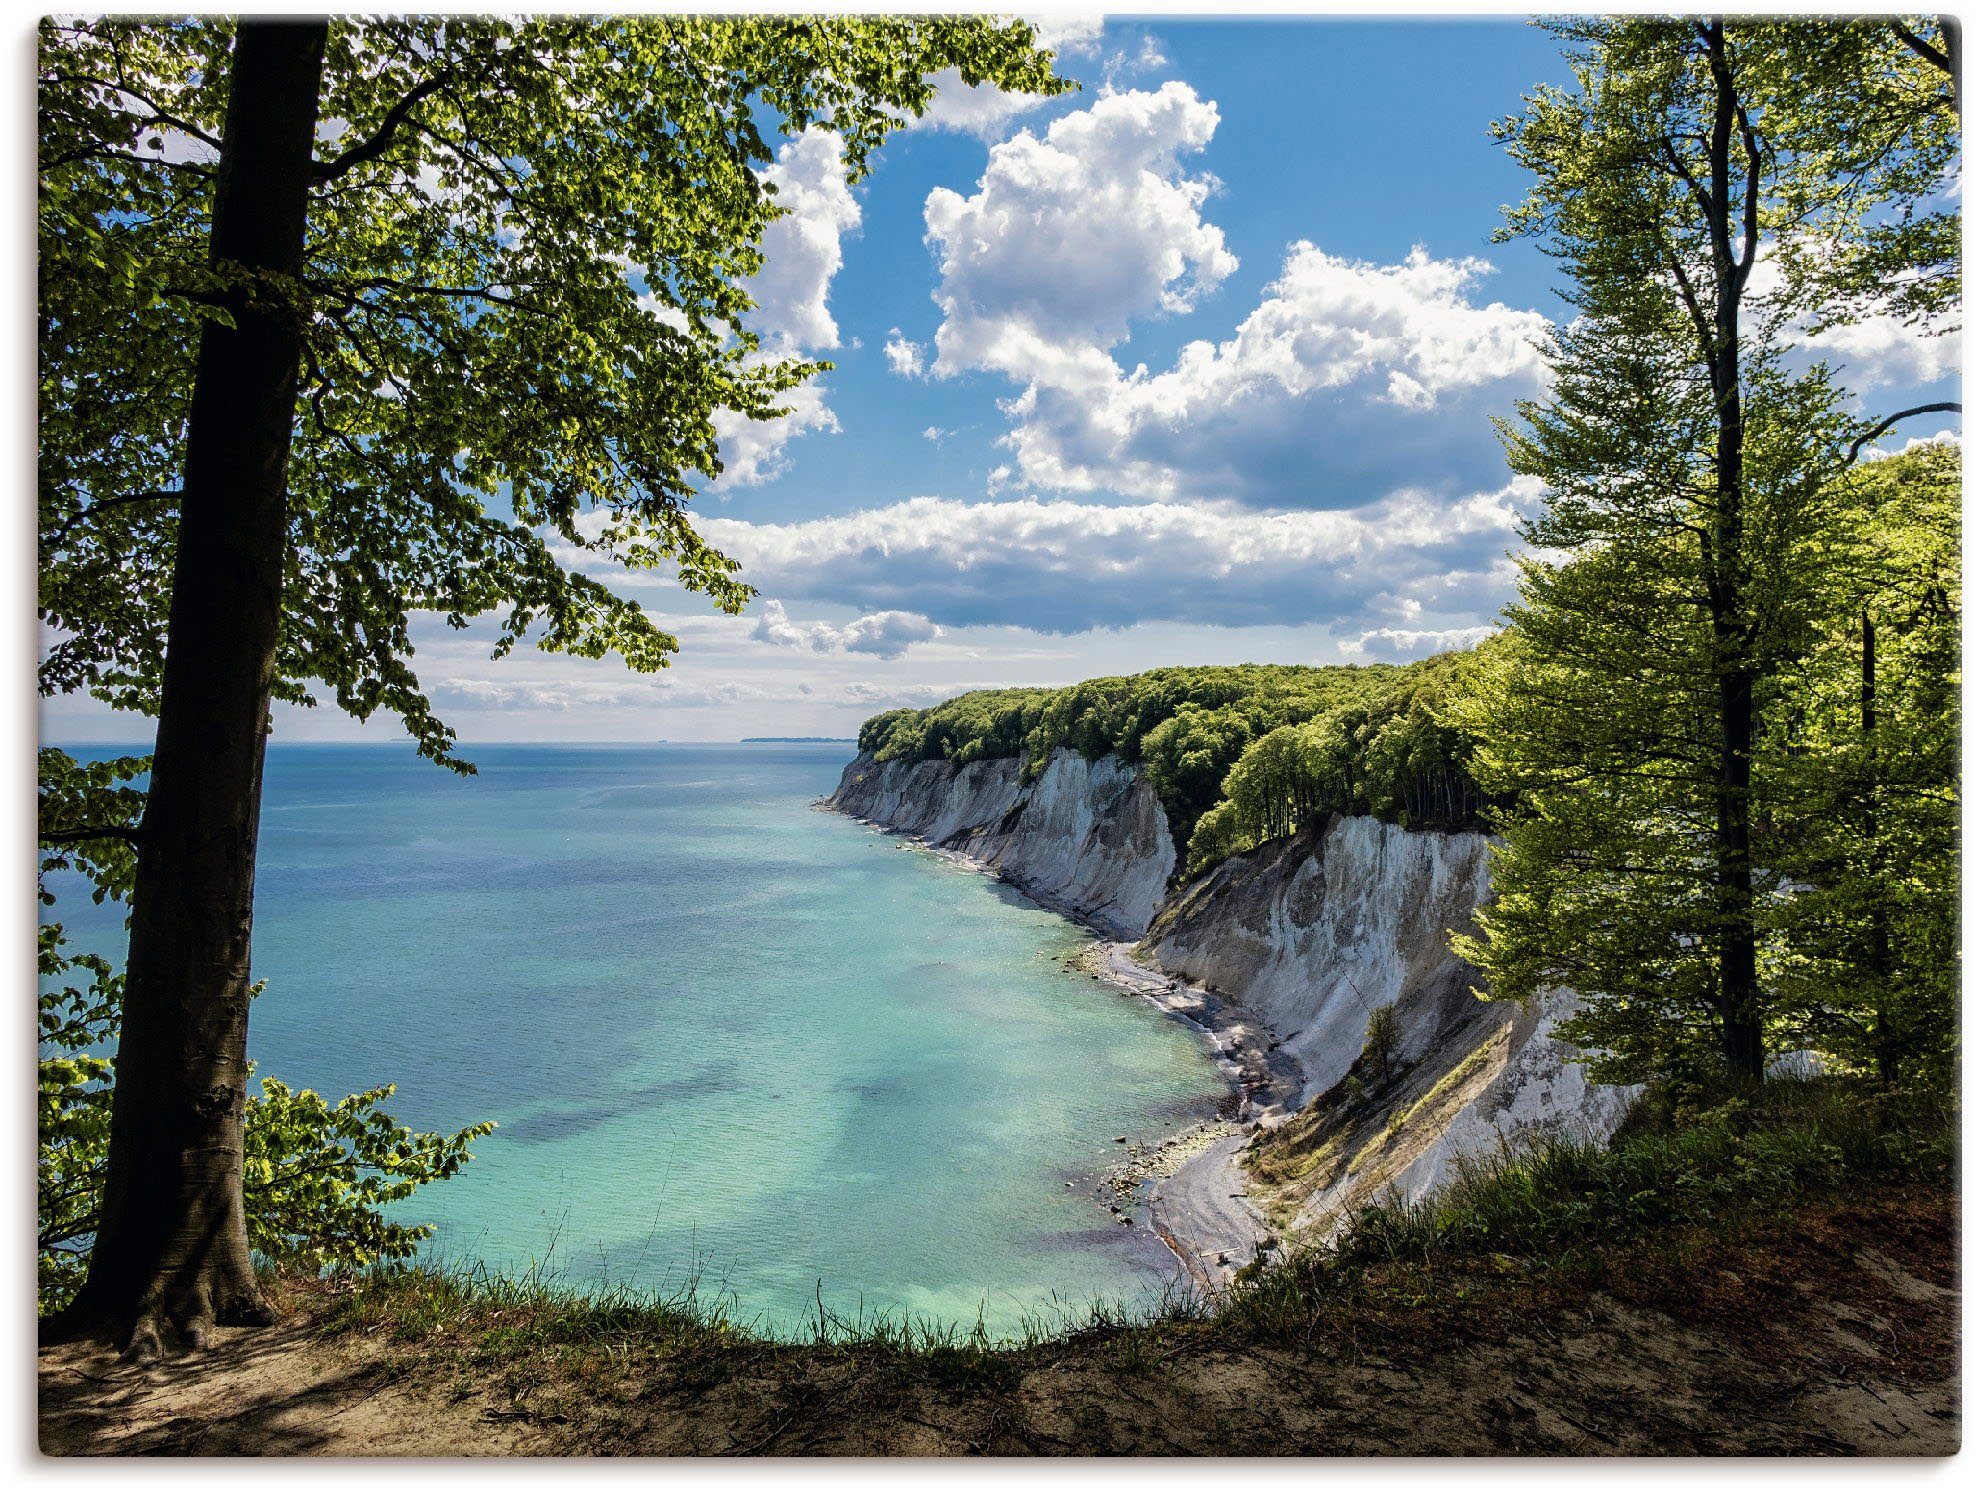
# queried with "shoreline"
point(1191, 1181)
point(1195, 1188)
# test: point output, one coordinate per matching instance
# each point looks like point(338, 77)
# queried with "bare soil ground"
point(1836, 1331)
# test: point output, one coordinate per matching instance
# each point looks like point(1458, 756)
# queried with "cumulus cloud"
point(1345, 381)
point(1874, 352)
point(879, 695)
point(905, 358)
point(985, 111)
point(488, 694)
point(1390, 643)
point(1882, 351)
point(1409, 560)
point(755, 451)
point(802, 252)
point(1915, 442)
point(886, 634)
point(1121, 65)
point(1069, 237)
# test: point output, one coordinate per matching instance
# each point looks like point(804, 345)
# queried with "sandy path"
point(281, 1391)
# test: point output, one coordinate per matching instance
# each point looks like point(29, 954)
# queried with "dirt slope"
point(1838, 1336)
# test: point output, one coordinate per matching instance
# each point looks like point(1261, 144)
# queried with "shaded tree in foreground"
point(520, 284)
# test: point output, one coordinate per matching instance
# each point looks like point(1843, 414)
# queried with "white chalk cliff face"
point(1307, 935)
point(1085, 837)
point(1312, 933)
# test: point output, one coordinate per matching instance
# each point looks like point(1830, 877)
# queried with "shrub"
point(317, 1172)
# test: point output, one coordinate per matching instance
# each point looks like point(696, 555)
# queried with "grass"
point(1799, 1139)
point(1452, 1080)
point(497, 1318)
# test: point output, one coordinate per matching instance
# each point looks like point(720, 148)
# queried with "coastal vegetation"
point(1716, 734)
point(1307, 741)
point(1704, 535)
point(1681, 1290)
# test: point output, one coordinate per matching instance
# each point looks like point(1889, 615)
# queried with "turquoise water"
point(728, 1038)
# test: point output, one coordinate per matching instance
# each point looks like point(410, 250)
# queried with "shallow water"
point(728, 1038)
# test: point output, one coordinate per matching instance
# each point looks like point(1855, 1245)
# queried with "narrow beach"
point(1191, 1183)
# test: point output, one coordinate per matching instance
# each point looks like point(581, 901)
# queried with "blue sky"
point(1196, 364)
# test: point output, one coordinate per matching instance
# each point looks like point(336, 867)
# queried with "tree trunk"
point(1879, 949)
point(171, 1255)
point(1742, 1021)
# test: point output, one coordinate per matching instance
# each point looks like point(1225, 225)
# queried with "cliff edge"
point(1307, 936)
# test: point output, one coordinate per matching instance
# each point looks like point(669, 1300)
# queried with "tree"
point(1879, 100)
point(317, 1173)
point(482, 336)
point(1691, 478)
point(1864, 948)
point(1382, 1043)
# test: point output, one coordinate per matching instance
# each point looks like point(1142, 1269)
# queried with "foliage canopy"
point(525, 298)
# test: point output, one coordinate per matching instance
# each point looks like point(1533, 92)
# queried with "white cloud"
point(1347, 380)
point(935, 433)
point(802, 252)
point(1388, 643)
point(879, 696)
point(754, 451)
point(985, 111)
point(1070, 237)
point(1121, 65)
point(905, 358)
point(1881, 351)
point(475, 694)
point(1881, 452)
point(1069, 35)
point(1874, 352)
point(1409, 560)
point(886, 634)
point(982, 110)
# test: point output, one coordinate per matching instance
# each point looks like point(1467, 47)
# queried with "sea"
point(736, 1046)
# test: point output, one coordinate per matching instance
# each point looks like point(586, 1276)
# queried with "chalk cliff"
point(1085, 837)
point(1312, 933)
point(1306, 935)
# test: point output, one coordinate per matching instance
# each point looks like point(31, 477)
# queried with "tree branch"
point(1889, 421)
point(82, 514)
point(1752, 195)
point(64, 837)
point(1934, 56)
point(369, 149)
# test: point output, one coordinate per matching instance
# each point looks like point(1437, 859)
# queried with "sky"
point(1196, 364)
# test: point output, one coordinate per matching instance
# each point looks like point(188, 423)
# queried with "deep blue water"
point(727, 1037)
